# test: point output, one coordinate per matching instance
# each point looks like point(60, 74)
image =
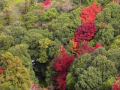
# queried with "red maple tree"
point(85, 32)
point(62, 63)
point(89, 14)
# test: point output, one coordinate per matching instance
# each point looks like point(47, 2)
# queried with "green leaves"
point(48, 15)
point(89, 80)
point(6, 41)
point(116, 43)
point(105, 66)
point(14, 73)
point(92, 70)
point(110, 15)
point(105, 36)
point(44, 44)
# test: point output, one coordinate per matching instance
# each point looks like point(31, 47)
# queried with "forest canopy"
point(59, 44)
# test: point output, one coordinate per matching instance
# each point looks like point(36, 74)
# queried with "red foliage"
point(85, 32)
point(61, 80)
point(103, 26)
point(46, 3)
point(62, 63)
point(83, 48)
point(116, 85)
point(1, 70)
point(35, 86)
point(89, 14)
point(98, 45)
point(75, 44)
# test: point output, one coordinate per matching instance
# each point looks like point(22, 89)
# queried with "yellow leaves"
point(12, 3)
point(44, 43)
point(74, 44)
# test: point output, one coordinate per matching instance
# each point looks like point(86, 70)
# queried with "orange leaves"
point(74, 44)
point(89, 14)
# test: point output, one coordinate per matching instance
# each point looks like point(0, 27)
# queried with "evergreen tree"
point(105, 36)
point(116, 43)
point(92, 70)
point(14, 73)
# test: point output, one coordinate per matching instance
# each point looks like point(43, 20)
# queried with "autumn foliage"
point(1, 70)
point(62, 63)
point(89, 14)
point(85, 32)
point(34, 86)
point(116, 85)
point(83, 48)
point(46, 3)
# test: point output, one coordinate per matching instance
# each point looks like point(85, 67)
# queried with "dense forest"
point(59, 45)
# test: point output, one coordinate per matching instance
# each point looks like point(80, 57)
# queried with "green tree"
point(38, 45)
point(105, 36)
point(90, 71)
point(6, 41)
point(29, 19)
point(49, 14)
point(101, 63)
point(2, 5)
point(21, 50)
point(110, 15)
point(38, 42)
point(62, 28)
point(14, 73)
point(75, 16)
point(89, 79)
point(103, 2)
point(113, 55)
point(18, 34)
point(8, 17)
point(116, 43)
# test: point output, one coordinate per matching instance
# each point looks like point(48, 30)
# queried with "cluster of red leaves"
point(1, 70)
point(85, 32)
point(89, 14)
point(61, 80)
point(46, 3)
point(62, 63)
point(34, 86)
point(85, 48)
point(103, 26)
point(116, 85)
